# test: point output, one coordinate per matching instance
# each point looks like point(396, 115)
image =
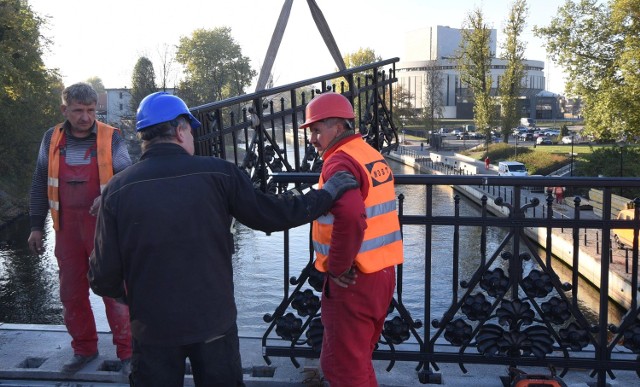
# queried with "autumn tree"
point(29, 98)
point(513, 53)
point(433, 96)
point(363, 56)
point(598, 46)
point(403, 109)
point(97, 84)
point(474, 62)
point(215, 68)
point(143, 81)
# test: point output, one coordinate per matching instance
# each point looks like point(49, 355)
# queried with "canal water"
point(29, 283)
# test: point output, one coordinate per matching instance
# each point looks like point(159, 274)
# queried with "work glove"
point(337, 184)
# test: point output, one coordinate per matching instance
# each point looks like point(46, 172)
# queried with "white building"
point(436, 47)
point(119, 106)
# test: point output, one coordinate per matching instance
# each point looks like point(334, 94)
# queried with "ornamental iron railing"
point(512, 309)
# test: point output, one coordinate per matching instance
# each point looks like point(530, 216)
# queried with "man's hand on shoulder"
point(340, 182)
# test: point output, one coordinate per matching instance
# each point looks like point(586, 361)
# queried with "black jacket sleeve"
point(268, 212)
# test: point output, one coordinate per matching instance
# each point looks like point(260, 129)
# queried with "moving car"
point(512, 168)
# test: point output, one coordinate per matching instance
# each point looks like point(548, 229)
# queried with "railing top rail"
point(285, 88)
point(535, 181)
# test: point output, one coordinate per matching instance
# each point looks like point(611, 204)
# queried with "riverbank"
point(589, 264)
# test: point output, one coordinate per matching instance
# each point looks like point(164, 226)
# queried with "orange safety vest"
point(105, 165)
point(382, 243)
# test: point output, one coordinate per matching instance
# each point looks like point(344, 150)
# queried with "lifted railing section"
point(513, 303)
point(260, 132)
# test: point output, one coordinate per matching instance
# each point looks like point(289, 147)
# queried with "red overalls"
point(79, 186)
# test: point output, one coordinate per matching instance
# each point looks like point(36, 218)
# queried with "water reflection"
point(28, 283)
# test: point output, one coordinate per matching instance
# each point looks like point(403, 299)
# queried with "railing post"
point(610, 252)
point(626, 260)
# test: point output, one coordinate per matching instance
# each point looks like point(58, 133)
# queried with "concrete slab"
point(32, 355)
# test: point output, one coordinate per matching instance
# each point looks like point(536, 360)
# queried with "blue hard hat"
point(162, 107)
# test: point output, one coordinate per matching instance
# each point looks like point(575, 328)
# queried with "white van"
point(512, 168)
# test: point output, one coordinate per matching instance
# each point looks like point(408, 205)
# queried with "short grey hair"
point(162, 132)
point(80, 92)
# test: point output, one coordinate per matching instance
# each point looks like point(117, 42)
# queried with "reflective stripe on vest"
point(105, 165)
point(382, 243)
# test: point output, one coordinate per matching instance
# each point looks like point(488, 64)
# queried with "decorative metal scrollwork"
point(495, 282)
point(574, 337)
point(537, 284)
point(631, 338)
point(289, 327)
point(476, 307)
point(556, 311)
point(305, 303)
point(396, 330)
point(458, 332)
point(534, 340)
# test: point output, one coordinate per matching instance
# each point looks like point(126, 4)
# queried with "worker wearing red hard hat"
point(357, 244)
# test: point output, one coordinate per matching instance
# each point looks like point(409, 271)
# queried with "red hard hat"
point(327, 105)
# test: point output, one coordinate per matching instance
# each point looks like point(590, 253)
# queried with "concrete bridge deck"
point(32, 355)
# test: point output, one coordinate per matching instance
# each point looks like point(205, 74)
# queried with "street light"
point(572, 140)
point(621, 149)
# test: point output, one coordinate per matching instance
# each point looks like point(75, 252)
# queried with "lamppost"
point(572, 141)
point(515, 157)
point(621, 163)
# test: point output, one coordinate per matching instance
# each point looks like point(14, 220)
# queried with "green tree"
point(513, 53)
point(474, 61)
point(97, 84)
point(29, 98)
point(598, 45)
point(433, 96)
point(143, 81)
point(363, 56)
point(215, 68)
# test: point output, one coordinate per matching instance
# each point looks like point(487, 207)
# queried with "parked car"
point(551, 132)
point(543, 140)
point(567, 140)
point(462, 136)
point(527, 136)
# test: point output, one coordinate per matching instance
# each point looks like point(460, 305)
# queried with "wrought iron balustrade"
point(513, 309)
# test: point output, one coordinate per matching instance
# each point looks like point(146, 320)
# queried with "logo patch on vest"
point(380, 172)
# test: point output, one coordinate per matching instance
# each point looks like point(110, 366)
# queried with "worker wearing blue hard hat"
point(161, 107)
point(164, 245)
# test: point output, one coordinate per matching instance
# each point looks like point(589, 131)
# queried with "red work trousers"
point(74, 243)
point(353, 319)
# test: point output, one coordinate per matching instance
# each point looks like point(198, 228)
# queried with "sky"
point(106, 38)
